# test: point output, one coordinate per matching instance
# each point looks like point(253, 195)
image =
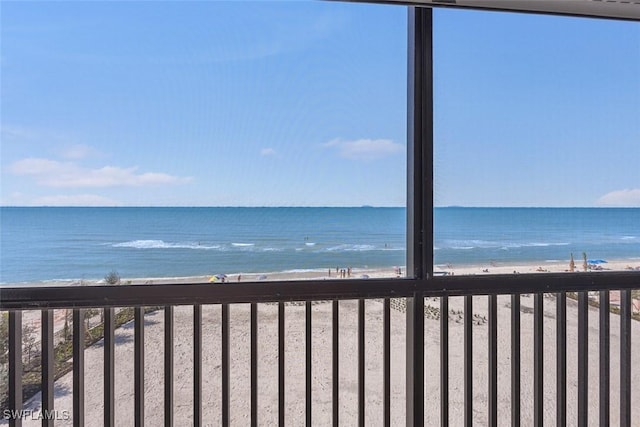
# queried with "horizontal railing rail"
point(23, 297)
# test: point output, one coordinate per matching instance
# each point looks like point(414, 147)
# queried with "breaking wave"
point(487, 244)
point(350, 248)
point(161, 244)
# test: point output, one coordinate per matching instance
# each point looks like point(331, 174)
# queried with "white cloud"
point(52, 173)
point(78, 151)
point(267, 152)
point(35, 166)
point(365, 149)
point(622, 198)
point(16, 132)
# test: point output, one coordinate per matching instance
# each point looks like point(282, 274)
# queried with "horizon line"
point(315, 206)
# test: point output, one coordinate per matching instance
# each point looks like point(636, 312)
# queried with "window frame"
point(420, 282)
point(420, 239)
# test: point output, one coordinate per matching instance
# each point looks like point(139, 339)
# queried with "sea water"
point(535, 235)
point(43, 244)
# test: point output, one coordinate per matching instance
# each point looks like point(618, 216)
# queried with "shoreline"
point(493, 267)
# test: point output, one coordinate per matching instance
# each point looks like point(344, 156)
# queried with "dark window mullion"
point(419, 198)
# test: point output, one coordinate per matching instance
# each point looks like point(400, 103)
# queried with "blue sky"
point(304, 104)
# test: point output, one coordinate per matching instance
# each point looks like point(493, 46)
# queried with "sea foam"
point(161, 244)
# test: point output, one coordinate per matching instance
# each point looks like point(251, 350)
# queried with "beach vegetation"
point(4, 336)
point(66, 332)
point(572, 264)
point(4, 359)
point(63, 350)
point(112, 278)
point(4, 379)
point(29, 339)
point(89, 313)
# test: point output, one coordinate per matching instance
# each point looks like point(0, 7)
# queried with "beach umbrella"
point(596, 261)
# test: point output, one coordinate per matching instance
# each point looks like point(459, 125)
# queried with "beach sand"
point(322, 383)
point(359, 273)
point(540, 267)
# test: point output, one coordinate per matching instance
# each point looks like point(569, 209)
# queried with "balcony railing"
point(517, 379)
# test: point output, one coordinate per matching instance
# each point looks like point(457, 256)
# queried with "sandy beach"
point(295, 356)
point(360, 273)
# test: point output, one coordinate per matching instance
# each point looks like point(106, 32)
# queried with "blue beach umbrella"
point(596, 261)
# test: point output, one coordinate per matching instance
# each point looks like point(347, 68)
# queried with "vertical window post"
point(419, 198)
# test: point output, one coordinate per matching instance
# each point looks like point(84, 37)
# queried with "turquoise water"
point(40, 244)
point(512, 235)
point(71, 243)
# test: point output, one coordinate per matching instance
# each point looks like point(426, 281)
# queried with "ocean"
point(51, 244)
